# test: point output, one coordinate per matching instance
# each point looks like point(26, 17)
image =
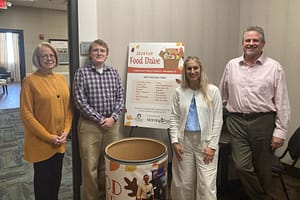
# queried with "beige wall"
point(208, 28)
point(211, 29)
point(280, 20)
point(53, 24)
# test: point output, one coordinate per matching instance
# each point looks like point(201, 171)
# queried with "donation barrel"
point(126, 163)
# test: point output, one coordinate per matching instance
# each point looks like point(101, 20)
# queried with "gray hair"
point(257, 29)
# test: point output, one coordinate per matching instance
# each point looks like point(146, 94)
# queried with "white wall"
point(88, 21)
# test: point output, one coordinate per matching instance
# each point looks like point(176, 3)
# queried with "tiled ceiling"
point(49, 4)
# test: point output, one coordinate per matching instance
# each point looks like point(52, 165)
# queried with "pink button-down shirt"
point(257, 88)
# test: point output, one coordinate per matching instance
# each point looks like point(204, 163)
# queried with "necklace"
point(51, 80)
point(55, 85)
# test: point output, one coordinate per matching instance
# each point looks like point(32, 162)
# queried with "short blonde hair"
point(100, 43)
point(36, 54)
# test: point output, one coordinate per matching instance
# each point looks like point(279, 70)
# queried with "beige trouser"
point(192, 179)
point(92, 143)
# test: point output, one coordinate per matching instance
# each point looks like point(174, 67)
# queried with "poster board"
point(62, 48)
point(154, 71)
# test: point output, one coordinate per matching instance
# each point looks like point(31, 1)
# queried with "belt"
point(249, 116)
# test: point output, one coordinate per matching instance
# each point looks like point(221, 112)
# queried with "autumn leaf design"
point(131, 185)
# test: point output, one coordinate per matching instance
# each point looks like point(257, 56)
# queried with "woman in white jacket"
point(195, 128)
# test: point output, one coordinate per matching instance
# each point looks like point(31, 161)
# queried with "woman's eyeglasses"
point(46, 57)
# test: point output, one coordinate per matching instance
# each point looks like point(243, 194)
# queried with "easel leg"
point(131, 131)
point(170, 163)
point(169, 136)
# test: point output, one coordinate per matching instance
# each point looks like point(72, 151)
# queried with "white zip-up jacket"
point(210, 118)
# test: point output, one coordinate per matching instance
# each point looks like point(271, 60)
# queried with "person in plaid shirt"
point(99, 96)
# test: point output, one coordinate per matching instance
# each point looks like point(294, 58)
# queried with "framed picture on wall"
point(62, 48)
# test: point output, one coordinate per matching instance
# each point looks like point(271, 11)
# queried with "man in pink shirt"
point(254, 92)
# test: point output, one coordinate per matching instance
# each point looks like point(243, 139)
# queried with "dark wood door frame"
point(74, 64)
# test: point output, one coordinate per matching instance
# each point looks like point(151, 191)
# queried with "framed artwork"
point(62, 48)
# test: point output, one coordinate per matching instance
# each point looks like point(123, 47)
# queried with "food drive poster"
point(154, 71)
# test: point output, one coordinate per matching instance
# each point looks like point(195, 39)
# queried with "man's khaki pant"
point(92, 143)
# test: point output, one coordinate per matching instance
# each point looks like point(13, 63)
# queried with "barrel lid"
point(136, 150)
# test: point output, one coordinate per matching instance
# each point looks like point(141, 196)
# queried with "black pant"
point(47, 177)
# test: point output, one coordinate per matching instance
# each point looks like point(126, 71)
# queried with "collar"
point(105, 67)
point(259, 61)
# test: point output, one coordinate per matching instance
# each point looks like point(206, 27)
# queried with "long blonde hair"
point(203, 82)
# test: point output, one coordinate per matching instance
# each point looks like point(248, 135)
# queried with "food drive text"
point(144, 60)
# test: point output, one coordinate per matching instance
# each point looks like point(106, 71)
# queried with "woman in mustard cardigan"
point(47, 116)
